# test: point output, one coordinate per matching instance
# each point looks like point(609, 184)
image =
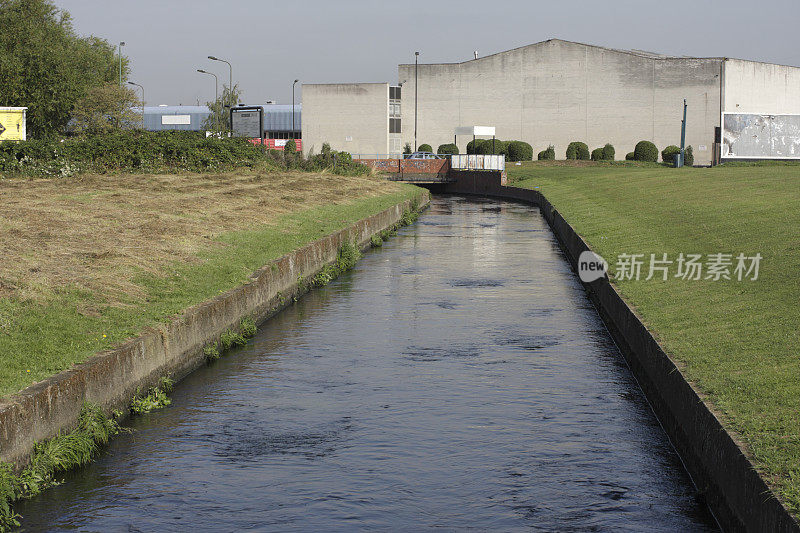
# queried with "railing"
point(478, 162)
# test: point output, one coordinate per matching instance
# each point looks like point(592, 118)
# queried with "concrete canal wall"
point(110, 379)
point(737, 495)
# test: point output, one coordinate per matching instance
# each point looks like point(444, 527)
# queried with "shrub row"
point(163, 151)
point(513, 150)
point(547, 155)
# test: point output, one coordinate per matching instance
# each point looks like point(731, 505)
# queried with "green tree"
point(46, 67)
point(220, 118)
point(106, 108)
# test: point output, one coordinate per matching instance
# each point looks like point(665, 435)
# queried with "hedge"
point(577, 150)
point(597, 154)
point(425, 148)
point(445, 149)
point(688, 156)
point(547, 155)
point(629, 156)
point(668, 154)
point(519, 151)
point(608, 152)
point(645, 151)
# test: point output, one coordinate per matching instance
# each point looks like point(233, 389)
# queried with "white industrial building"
point(555, 92)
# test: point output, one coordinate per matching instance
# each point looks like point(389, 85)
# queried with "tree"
point(46, 66)
point(106, 108)
point(220, 118)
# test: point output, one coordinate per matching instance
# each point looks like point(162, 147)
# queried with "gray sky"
point(270, 43)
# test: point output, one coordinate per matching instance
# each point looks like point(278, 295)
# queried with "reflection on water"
point(458, 378)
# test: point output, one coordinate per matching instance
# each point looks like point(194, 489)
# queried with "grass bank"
point(90, 261)
point(738, 342)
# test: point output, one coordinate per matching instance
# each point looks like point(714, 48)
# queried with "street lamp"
point(142, 88)
point(230, 71)
point(216, 82)
point(293, 84)
point(416, 92)
point(119, 53)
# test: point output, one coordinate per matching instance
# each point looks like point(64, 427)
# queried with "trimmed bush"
point(597, 154)
point(406, 149)
point(577, 150)
point(493, 147)
point(645, 151)
point(629, 156)
point(688, 156)
point(425, 148)
point(547, 155)
point(608, 152)
point(519, 151)
point(668, 154)
point(446, 149)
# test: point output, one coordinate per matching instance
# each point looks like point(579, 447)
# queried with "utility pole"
point(142, 88)
point(119, 53)
point(293, 84)
point(683, 134)
point(416, 93)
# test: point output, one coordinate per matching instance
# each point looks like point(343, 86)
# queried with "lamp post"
point(293, 84)
point(119, 53)
point(230, 71)
point(416, 92)
point(216, 82)
point(142, 88)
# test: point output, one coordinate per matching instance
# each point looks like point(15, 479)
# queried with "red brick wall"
point(409, 166)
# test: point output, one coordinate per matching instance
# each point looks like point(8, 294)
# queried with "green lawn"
point(739, 342)
point(43, 335)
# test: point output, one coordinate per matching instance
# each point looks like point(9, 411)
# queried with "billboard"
point(754, 136)
point(12, 123)
point(247, 121)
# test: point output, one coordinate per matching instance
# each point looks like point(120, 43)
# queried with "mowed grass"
point(738, 342)
point(91, 262)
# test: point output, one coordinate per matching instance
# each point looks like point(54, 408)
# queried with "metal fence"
point(478, 162)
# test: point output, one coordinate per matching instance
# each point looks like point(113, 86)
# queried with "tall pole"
point(293, 84)
point(142, 88)
point(216, 82)
point(119, 53)
point(230, 71)
point(683, 132)
point(416, 93)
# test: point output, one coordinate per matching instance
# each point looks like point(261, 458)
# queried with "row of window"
point(283, 135)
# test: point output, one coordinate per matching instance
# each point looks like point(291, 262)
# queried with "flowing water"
point(457, 378)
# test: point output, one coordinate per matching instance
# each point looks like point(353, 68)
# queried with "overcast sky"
point(270, 43)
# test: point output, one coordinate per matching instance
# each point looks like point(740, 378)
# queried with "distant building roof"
point(277, 117)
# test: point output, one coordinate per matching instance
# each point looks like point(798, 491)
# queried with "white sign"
point(702, 148)
point(280, 142)
point(176, 119)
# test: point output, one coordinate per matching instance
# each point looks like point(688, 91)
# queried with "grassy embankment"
point(738, 342)
point(89, 261)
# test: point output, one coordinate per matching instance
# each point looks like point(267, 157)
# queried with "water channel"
point(458, 378)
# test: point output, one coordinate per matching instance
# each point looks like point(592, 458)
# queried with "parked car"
point(422, 155)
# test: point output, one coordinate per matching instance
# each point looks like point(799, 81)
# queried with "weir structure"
point(721, 470)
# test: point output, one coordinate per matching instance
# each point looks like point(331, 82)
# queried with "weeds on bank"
point(230, 338)
point(346, 259)
point(49, 458)
point(157, 397)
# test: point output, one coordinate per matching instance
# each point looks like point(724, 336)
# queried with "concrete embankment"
point(110, 379)
point(721, 469)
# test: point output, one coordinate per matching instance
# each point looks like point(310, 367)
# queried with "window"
point(394, 110)
point(394, 125)
point(394, 93)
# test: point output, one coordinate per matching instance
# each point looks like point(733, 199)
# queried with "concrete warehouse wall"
point(352, 117)
point(111, 378)
point(555, 92)
point(751, 87)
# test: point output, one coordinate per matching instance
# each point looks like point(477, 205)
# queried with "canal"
point(457, 378)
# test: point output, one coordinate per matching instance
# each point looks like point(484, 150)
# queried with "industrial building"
point(555, 92)
point(278, 123)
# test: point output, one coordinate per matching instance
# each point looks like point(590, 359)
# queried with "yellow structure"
point(12, 123)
